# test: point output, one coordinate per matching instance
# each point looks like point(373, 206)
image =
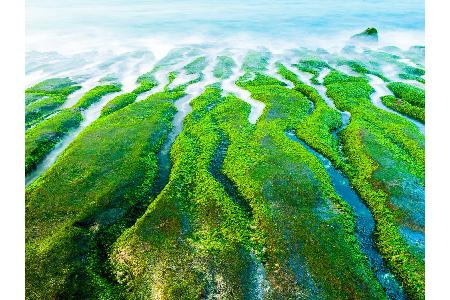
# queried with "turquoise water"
point(55, 23)
point(365, 224)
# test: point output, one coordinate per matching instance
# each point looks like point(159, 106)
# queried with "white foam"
point(381, 90)
point(323, 73)
point(229, 86)
point(408, 62)
point(183, 105)
point(391, 72)
point(273, 72)
point(347, 70)
point(182, 78)
point(92, 113)
point(89, 115)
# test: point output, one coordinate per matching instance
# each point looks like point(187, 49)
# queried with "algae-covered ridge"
point(45, 97)
point(321, 197)
point(47, 133)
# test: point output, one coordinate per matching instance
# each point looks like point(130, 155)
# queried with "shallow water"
point(299, 266)
point(89, 116)
point(73, 98)
point(321, 90)
point(183, 109)
point(323, 73)
point(261, 284)
point(160, 26)
point(415, 83)
point(216, 170)
point(415, 239)
point(229, 86)
point(161, 75)
point(392, 71)
point(408, 62)
point(302, 76)
point(126, 75)
point(273, 72)
point(365, 224)
point(126, 71)
point(35, 77)
point(346, 70)
point(381, 90)
point(44, 65)
point(182, 78)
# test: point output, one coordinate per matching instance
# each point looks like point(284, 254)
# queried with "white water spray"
point(229, 86)
point(381, 90)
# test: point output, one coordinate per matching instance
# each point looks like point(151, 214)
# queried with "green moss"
point(144, 87)
point(192, 232)
point(172, 76)
point(413, 70)
point(409, 93)
point(312, 66)
point(52, 86)
point(408, 100)
point(359, 67)
point(40, 139)
point(46, 97)
point(317, 129)
point(404, 107)
point(95, 228)
point(118, 102)
point(196, 66)
point(411, 73)
point(268, 175)
point(147, 78)
point(368, 35)
point(376, 143)
point(194, 223)
point(224, 67)
point(31, 97)
point(369, 62)
point(95, 94)
point(37, 111)
point(371, 31)
point(146, 82)
point(88, 197)
point(258, 79)
point(411, 77)
point(256, 61)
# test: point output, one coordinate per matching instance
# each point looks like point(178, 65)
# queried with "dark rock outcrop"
point(370, 35)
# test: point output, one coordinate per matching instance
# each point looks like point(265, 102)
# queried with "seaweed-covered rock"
point(370, 35)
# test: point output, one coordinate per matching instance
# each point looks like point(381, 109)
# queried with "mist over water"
point(76, 38)
point(118, 25)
